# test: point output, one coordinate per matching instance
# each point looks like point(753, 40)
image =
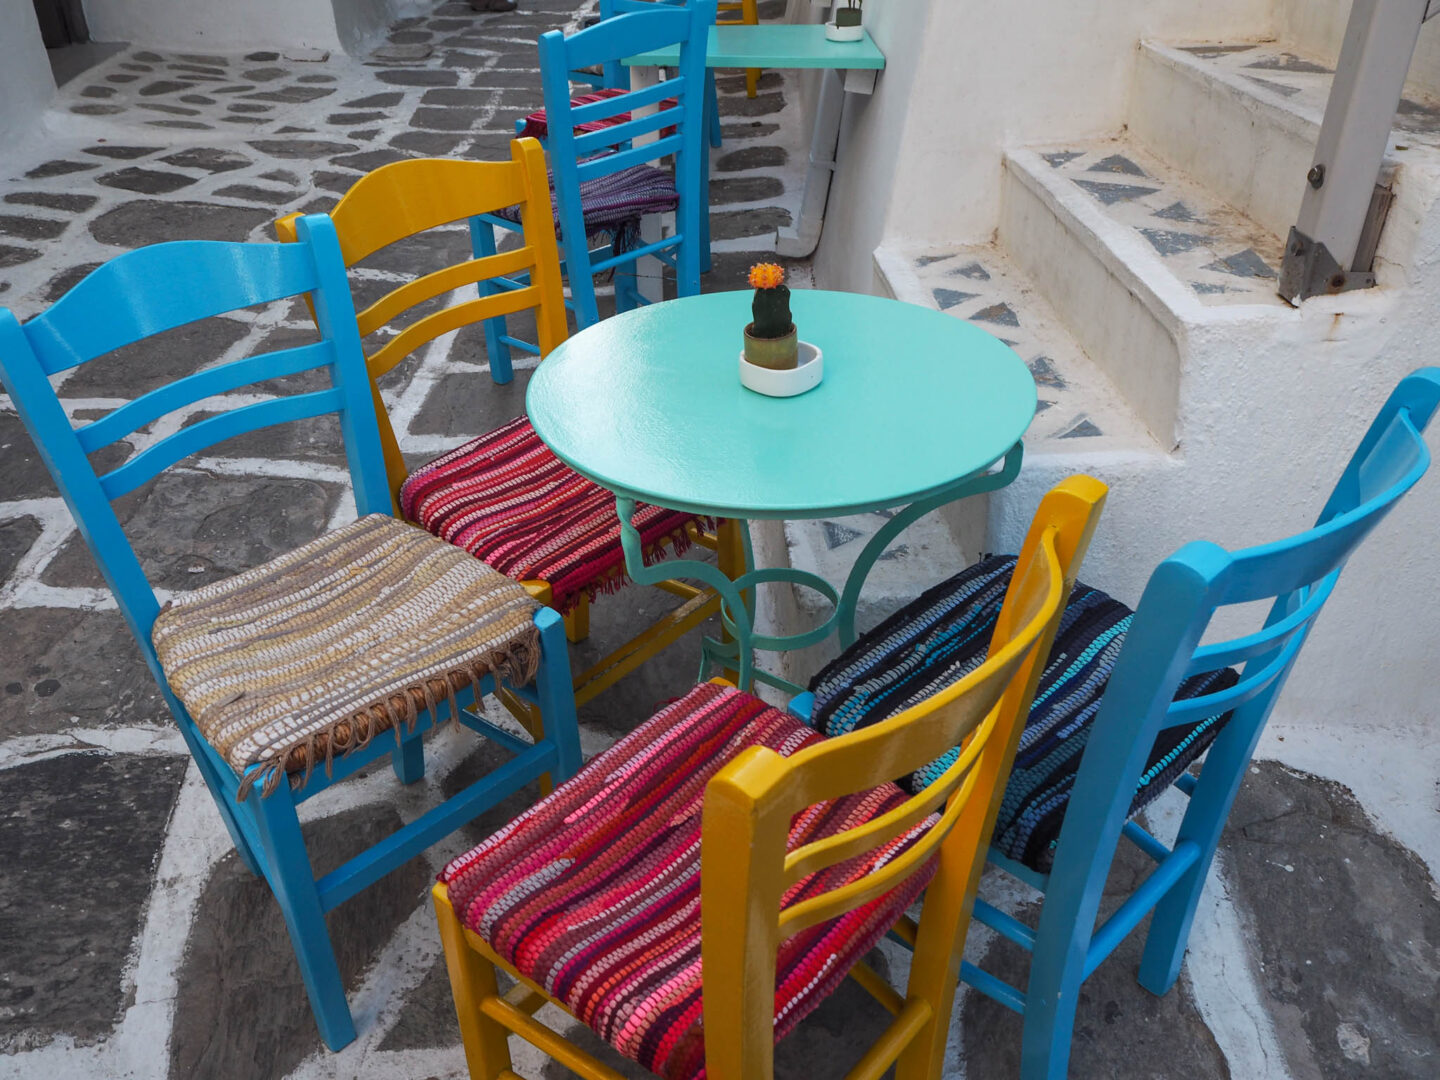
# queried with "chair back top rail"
point(408, 197)
point(153, 289)
point(629, 29)
point(404, 198)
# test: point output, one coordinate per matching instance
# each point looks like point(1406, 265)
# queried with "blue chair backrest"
point(154, 289)
point(1164, 647)
point(632, 27)
point(617, 75)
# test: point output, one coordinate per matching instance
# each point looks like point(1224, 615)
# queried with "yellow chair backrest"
point(748, 808)
point(408, 197)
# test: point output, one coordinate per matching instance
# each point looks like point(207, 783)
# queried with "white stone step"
point(1132, 255)
point(1082, 424)
point(1243, 119)
point(1316, 28)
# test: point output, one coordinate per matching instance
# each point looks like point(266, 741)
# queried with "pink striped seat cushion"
point(594, 893)
point(509, 501)
point(537, 126)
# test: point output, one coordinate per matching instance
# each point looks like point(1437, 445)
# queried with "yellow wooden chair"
point(741, 13)
point(794, 852)
point(504, 496)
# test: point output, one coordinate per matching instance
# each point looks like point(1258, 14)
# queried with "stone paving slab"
point(122, 907)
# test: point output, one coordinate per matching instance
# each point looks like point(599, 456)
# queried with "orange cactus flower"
point(767, 276)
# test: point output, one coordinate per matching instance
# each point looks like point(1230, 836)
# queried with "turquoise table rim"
point(649, 404)
point(785, 46)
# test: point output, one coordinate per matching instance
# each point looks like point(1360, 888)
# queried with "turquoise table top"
point(649, 404)
point(783, 46)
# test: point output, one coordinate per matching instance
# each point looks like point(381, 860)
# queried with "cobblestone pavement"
point(133, 942)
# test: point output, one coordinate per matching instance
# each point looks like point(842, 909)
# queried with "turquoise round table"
point(914, 410)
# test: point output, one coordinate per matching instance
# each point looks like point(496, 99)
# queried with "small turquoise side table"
point(915, 408)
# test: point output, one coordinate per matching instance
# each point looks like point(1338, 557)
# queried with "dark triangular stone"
point(1042, 370)
point(948, 298)
point(836, 534)
point(1083, 430)
point(1110, 194)
point(1245, 263)
point(1168, 242)
point(1001, 314)
point(1117, 163)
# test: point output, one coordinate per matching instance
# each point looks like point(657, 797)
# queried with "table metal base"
point(736, 651)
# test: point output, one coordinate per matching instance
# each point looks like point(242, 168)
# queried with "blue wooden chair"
point(614, 76)
point(290, 666)
point(1154, 693)
point(600, 176)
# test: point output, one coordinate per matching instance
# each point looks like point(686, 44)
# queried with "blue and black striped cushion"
point(942, 636)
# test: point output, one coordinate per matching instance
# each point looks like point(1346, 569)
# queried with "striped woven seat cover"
point(354, 633)
point(594, 893)
point(614, 204)
point(507, 499)
point(537, 126)
point(942, 636)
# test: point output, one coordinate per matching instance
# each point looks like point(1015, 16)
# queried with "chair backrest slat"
point(451, 318)
point(442, 281)
point(629, 101)
point(213, 429)
point(139, 295)
point(594, 142)
point(148, 291)
point(1263, 641)
point(150, 406)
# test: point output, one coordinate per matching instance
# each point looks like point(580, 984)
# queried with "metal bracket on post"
point(1332, 245)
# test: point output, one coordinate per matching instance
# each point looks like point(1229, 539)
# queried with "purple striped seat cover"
point(615, 203)
point(509, 501)
point(594, 892)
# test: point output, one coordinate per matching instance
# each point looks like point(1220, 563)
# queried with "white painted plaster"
point(973, 78)
point(1316, 28)
point(215, 25)
point(26, 84)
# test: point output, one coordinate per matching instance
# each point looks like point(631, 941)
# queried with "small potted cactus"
point(771, 339)
point(775, 362)
point(846, 26)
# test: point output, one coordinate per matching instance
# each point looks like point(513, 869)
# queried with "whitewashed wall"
point(1316, 28)
point(965, 78)
point(26, 84)
point(226, 26)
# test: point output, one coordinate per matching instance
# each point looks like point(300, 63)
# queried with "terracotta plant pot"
point(848, 17)
point(777, 354)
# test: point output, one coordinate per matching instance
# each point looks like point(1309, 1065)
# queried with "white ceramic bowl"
point(787, 382)
point(843, 33)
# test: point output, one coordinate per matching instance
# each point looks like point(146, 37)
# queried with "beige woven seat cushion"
point(354, 633)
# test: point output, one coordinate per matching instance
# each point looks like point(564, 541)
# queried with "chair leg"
point(1052, 992)
point(293, 883)
point(472, 981)
point(408, 760)
point(224, 802)
point(752, 81)
point(712, 110)
point(577, 622)
point(556, 691)
point(1202, 825)
point(482, 243)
